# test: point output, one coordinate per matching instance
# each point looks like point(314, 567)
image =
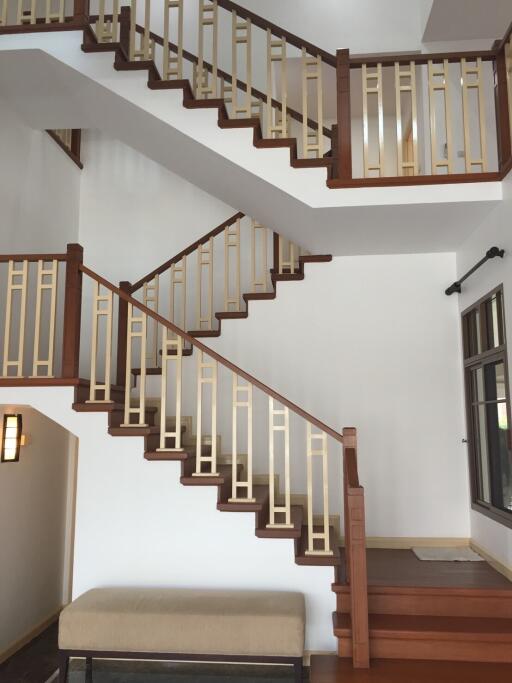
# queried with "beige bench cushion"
point(166, 620)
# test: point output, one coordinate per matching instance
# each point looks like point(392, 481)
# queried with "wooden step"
point(301, 546)
point(260, 494)
point(333, 669)
point(470, 639)
point(167, 456)
point(204, 333)
point(259, 296)
point(431, 601)
point(231, 315)
point(297, 515)
point(134, 430)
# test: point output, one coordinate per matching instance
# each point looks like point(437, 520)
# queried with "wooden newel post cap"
point(349, 437)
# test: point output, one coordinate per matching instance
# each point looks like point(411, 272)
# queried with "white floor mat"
point(447, 554)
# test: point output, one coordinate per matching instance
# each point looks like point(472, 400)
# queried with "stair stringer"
point(137, 525)
point(53, 84)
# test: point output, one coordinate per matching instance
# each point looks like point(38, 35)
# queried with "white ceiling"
point(467, 20)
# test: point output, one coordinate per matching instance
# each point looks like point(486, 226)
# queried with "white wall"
point(134, 213)
point(373, 342)
point(35, 526)
point(137, 525)
point(491, 536)
point(39, 208)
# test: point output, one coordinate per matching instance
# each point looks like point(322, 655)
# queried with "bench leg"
point(88, 670)
point(63, 667)
point(298, 670)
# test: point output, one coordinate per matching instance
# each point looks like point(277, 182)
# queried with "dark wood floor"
point(35, 662)
point(402, 568)
point(331, 669)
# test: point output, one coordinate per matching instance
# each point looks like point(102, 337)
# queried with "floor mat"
point(462, 554)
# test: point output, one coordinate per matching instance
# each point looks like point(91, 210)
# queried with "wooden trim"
point(71, 154)
point(189, 250)
point(72, 312)
point(409, 542)
point(33, 258)
point(122, 322)
point(39, 381)
point(70, 24)
point(501, 44)
point(81, 9)
point(211, 353)
point(33, 633)
point(493, 561)
point(392, 181)
point(343, 140)
point(419, 58)
point(502, 114)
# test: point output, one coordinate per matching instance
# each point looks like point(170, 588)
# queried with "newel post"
point(81, 11)
point(355, 551)
point(72, 312)
point(502, 107)
point(342, 138)
point(122, 334)
point(124, 30)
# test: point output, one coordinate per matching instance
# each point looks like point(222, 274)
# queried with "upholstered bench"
point(184, 625)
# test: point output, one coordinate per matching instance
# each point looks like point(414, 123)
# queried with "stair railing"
point(238, 253)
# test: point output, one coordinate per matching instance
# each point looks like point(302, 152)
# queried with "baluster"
point(17, 282)
point(173, 62)
point(311, 453)
point(145, 51)
point(239, 403)
point(241, 35)
point(139, 322)
point(277, 120)
point(232, 243)
point(207, 17)
point(179, 279)
point(287, 265)
point(52, 275)
point(102, 306)
point(434, 85)
point(172, 352)
point(374, 77)
point(3, 13)
point(150, 299)
point(261, 279)
point(56, 15)
point(205, 261)
point(405, 166)
point(312, 140)
point(471, 78)
point(107, 31)
point(206, 375)
point(26, 16)
point(274, 508)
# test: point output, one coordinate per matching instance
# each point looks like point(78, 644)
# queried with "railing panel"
point(101, 354)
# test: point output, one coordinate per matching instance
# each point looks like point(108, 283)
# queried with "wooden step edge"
point(205, 480)
point(316, 258)
point(214, 103)
point(301, 558)
point(149, 371)
point(430, 591)
point(311, 163)
point(239, 123)
point(169, 84)
point(96, 407)
point(204, 333)
point(297, 515)
point(231, 315)
point(167, 456)
point(259, 296)
point(133, 431)
point(261, 496)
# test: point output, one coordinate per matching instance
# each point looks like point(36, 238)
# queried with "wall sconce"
point(11, 438)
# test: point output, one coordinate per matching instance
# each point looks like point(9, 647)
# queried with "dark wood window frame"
point(478, 353)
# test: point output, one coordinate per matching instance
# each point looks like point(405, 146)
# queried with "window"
point(488, 407)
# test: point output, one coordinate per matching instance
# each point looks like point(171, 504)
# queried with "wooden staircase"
point(430, 610)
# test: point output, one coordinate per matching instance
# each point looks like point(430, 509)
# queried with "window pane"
point(472, 345)
point(481, 453)
point(501, 456)
point(494, 321)
point(495, 382)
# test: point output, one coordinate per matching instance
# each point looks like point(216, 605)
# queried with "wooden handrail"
point(291, 38)
point(5, 258)
point(258, 94)
point(501, 43)
point(212, 354)
point(188, 250)
point(419, 58)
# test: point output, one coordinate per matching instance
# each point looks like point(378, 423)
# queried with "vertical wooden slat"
point(107, 30)
point(139, 321)
point(206, 375)
point(275, 509)
point(232, 283)
point(17, 282)
point(277, 120)
point(102, 307)
point(178, 277)
point(259, 277)
point(150, 298)
point(311, 452)
point(172, 352)
point(173, 62)
point(207, 17)
point(205, 261)
point(368, 90)
point(241, 391)
point(241, 34)
point(42, 286)
point(471, 79)
point(434, 85)
point(72, 312)
point(312, 140)
point(405, 166)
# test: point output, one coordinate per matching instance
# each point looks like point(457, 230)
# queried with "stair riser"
point(437, 650)
point(433, 605)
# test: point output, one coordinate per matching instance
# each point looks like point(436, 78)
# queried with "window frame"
point(485, 357)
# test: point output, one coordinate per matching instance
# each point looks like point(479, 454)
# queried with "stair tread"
point(296, 516)
point(260, 494)
point(224, 472)
point(204, 333)
point(407, 626)
point(328, 560)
